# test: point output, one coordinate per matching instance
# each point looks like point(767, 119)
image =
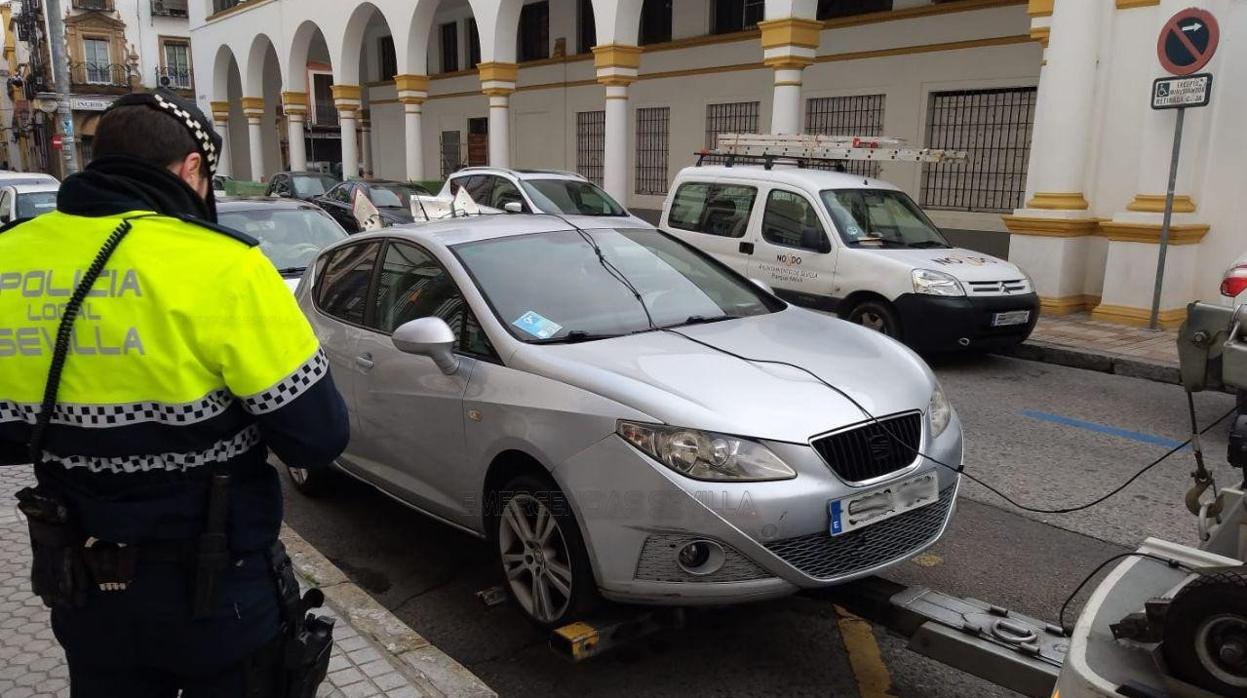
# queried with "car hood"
point(963, 264)
point(617, 222)
point(679, 382)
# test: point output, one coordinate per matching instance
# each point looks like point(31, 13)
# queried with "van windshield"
point(881, 218)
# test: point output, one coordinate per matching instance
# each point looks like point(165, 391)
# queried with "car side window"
point(713, 209)
point(792, 221)
point(480, 188)
point(413, 285)
point(504, 192)
point(344, 280)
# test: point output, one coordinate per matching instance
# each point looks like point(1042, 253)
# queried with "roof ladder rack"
point(809, 149)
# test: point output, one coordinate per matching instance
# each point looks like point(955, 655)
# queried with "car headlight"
point(704, 455)
point(936, 283)
point(941, 411)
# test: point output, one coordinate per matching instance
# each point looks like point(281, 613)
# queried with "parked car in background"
point(559, 393)
point(218, 185)
point(1234, 283)
point(856, 246)
point(300, 185)
point(10, 177)
point(22, 201)
point(392, 200)
point(291, 233)
point(538, 191)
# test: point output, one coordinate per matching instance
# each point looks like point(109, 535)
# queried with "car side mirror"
point(513, 207)
point(763, 285)
point(431, 337)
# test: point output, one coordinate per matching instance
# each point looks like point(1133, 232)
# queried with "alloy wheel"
point(535, 558)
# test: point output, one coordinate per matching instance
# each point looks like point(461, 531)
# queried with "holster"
point(308, 638)
point(59, 573)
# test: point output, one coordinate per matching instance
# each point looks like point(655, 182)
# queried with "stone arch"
point(262, 50)
point(294, 73)
point(222, 65)
point(617, 21)
point(347, 63)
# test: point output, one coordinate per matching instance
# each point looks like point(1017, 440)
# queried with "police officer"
point(155, 520)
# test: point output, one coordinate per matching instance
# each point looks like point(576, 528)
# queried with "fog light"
point(700, 557)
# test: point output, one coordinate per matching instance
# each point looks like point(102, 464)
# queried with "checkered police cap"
point(187, 113)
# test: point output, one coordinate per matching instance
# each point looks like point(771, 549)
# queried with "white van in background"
point(858, 247)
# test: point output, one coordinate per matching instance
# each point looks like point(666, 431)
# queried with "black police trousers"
point(143, 642)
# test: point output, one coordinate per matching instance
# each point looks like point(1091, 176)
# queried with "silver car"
point(596, 403)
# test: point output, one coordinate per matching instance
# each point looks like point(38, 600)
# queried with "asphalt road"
point(1047, 435)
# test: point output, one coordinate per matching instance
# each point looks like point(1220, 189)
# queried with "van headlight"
point(704, 455)
point(936, 283)
point(940, 411)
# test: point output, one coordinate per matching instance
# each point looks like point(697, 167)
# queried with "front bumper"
point(940, 323)
point(635, 514)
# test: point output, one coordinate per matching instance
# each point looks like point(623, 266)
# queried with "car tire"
point(541, 553)
point(877, 315)
point(312, 483)
point(1209, 611)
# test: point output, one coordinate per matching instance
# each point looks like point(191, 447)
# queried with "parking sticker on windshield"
point(537, 326)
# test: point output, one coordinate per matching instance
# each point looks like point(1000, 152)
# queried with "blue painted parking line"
point(1103, 429)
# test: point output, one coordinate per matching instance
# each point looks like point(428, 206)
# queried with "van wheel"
point(878, 316)
point(542, 553)
point(312, 483)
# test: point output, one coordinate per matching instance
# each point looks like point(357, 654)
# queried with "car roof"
point(34, 187)
point(457, 231)
point(519, 174)
point(261, 203)
point(793, 176)
point(9, 177)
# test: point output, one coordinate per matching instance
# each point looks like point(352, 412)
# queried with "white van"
point(855, 246)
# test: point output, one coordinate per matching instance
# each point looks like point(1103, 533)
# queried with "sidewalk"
point(374, 653)
point(1077, 340)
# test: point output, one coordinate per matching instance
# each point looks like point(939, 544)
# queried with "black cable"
point(957, 469)
point(1172, 564)
point(611, 269)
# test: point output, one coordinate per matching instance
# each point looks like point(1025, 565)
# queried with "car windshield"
point(312, 185)
point(291, 238)
point(554, 287)
point(881, 218)
point(393, 195)
point(35, 204)
point(572, 197)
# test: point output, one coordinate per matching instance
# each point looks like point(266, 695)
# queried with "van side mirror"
point(431, 337)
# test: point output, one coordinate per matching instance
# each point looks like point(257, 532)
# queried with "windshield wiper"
point(574, 337)
point(703, 320)
point(289, 271)
point(928, 244)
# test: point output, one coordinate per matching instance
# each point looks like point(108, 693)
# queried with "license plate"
point(881, 504)
point(1013, 317)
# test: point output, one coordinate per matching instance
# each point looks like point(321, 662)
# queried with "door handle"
point(364, 361)
point(746, 248)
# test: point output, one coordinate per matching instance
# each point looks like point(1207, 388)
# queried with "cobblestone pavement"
point(32, 664)
point(1079, 331)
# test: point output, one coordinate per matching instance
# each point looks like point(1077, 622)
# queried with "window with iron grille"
point(994, 128)
point(652, 144)
point(451, 154)
point(859, 115)
point(732, 117)
point(590, 144)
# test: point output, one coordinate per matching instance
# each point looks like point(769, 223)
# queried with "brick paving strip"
point(374, 654)
point(1078, 341)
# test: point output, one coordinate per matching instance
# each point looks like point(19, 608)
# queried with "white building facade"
point(625, 92)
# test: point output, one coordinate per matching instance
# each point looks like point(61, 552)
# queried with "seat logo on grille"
point(881, 449)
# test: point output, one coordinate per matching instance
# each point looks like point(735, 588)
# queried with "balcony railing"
point(169, 8)
point(100, 76)
point(174, 79)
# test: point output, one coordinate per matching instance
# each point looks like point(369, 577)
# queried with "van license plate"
point(881, 504)
point(1013, 317)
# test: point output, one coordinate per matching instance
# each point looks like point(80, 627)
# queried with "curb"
point(411, 651)
point(1035, 350)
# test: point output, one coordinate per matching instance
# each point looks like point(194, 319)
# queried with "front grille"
point(658, 562)
point(873, 450)
point(1009, 287)
point(825, 557)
